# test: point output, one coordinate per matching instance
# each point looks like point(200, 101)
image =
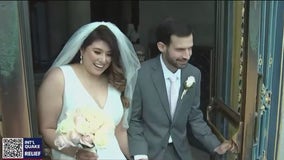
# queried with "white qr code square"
point(12, 148)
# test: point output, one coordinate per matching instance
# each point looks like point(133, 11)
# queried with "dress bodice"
point(75, 95)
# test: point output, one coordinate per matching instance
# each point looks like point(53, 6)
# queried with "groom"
point(166, 99)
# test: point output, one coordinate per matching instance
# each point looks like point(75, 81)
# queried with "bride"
point(103, 78)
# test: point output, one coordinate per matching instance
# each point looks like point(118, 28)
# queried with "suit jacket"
point(151, 124)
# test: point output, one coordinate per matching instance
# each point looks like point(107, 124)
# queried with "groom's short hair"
point(171, 27)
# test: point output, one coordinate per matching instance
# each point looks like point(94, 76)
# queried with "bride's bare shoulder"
point(53, 77)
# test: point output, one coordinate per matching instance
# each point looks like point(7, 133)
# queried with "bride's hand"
point(83, 154)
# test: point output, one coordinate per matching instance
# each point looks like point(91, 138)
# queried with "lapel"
point(159, 83)
point(185, 72)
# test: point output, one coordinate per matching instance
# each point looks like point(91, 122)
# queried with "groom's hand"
point(225, 146)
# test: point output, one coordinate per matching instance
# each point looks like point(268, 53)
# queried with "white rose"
point(187, 84)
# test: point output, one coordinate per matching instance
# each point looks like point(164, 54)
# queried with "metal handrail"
point(232, 116)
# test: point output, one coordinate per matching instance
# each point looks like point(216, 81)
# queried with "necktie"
point(173, 94)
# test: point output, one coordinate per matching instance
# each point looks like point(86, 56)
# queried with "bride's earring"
point(81, 59)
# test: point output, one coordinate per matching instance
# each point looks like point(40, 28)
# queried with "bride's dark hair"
point(115, 72)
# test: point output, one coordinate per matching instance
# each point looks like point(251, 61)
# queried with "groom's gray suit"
point(151, 124)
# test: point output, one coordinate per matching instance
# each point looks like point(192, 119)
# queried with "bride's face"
point(97, 57)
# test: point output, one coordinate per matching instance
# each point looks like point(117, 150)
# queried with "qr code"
point(12, 148)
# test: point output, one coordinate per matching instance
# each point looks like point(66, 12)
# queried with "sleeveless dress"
point(76, 95)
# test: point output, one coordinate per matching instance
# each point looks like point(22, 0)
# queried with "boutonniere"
point(187, 84)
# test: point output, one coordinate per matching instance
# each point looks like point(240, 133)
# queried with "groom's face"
point(178, 52)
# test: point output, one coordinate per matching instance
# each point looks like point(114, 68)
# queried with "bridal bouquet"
point(86, 127)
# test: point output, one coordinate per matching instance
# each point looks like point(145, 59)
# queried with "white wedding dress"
point(76, 95)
